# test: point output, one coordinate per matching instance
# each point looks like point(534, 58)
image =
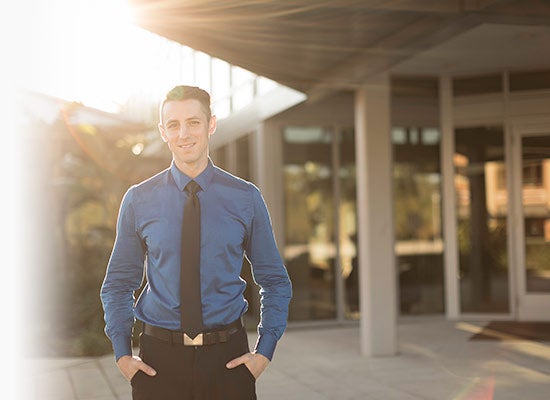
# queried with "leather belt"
point(218, 335)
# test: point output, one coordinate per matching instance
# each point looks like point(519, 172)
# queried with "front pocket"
point(247, 372)
point(136, 377)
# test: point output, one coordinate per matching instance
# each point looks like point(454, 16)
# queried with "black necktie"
point(190, 283)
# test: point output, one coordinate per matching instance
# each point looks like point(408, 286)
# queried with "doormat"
point(514, 330)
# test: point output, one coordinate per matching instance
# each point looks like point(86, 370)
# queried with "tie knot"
point(192, 187)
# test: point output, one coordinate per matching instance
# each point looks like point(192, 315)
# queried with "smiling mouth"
point(186, 145)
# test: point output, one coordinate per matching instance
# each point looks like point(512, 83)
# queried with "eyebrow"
point(193, 117)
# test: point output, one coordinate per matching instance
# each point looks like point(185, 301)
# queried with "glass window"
point(221, 88)
point(532, 173)
point(413, 135)
point(417, 213)
point(398, 136)
point(536, 212)
point(430, 136)
point(243, 82)
point(309, 206)
point(187, 71)
point(306, 135)
point(348, 223)
point(203, 71)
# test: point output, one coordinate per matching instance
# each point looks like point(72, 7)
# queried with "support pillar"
point(377, 267)
point(452, 290)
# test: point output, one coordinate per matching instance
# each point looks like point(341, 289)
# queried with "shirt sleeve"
point(271, 275)
point(124, 276)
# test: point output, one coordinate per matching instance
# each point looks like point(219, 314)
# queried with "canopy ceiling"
point(319, 46)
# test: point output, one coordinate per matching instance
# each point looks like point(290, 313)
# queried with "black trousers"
point(193, 373)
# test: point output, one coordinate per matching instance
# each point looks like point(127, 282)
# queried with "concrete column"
point(267, 173)
point(231, 157)
point(377, 266)
point(265, 156)
point(259, 163)
point(452, 301)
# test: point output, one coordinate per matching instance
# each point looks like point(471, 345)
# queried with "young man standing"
point(189, 228)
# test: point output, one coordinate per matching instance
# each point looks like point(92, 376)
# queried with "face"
point(186, 130)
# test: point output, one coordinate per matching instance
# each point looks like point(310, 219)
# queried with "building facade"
point(470, 197)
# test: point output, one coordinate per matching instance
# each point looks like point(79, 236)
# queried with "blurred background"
point(449, 176)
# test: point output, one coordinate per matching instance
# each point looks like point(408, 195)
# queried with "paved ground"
point(436, 361)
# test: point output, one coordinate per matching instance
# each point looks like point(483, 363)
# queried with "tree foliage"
point(82, 163)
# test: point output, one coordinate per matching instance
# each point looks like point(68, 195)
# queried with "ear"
point(212, 125)
point(162, 133)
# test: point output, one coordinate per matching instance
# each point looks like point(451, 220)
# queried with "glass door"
point(482, 219)
point(532, 180)
point(310, 247)
point(321, 233)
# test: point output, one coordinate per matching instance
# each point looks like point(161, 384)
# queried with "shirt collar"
point(203, 179)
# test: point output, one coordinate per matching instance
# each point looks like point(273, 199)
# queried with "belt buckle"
point(197, 341)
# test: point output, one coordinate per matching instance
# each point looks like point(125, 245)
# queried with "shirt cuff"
point(265, 345)
point(122, 346)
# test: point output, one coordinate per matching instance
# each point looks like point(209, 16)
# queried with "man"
point(193, 345)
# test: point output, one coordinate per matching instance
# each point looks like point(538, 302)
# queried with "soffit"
point(318, 46)
point(484, 49)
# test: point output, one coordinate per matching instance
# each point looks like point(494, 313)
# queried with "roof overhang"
point(239, 124)
point(318, 47)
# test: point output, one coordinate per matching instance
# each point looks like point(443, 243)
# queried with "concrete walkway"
point(436, 361)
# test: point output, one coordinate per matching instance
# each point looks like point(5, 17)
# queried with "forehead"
point(182, 109)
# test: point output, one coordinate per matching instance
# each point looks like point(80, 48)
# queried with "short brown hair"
point(182, 92)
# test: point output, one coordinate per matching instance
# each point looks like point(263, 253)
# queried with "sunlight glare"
point(86, 52)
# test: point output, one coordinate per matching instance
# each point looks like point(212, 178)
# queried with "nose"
point(182, 133)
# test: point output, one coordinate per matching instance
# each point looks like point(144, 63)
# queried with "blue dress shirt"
point(234, 223)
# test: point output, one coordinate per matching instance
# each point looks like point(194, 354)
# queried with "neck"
point(192, 170)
